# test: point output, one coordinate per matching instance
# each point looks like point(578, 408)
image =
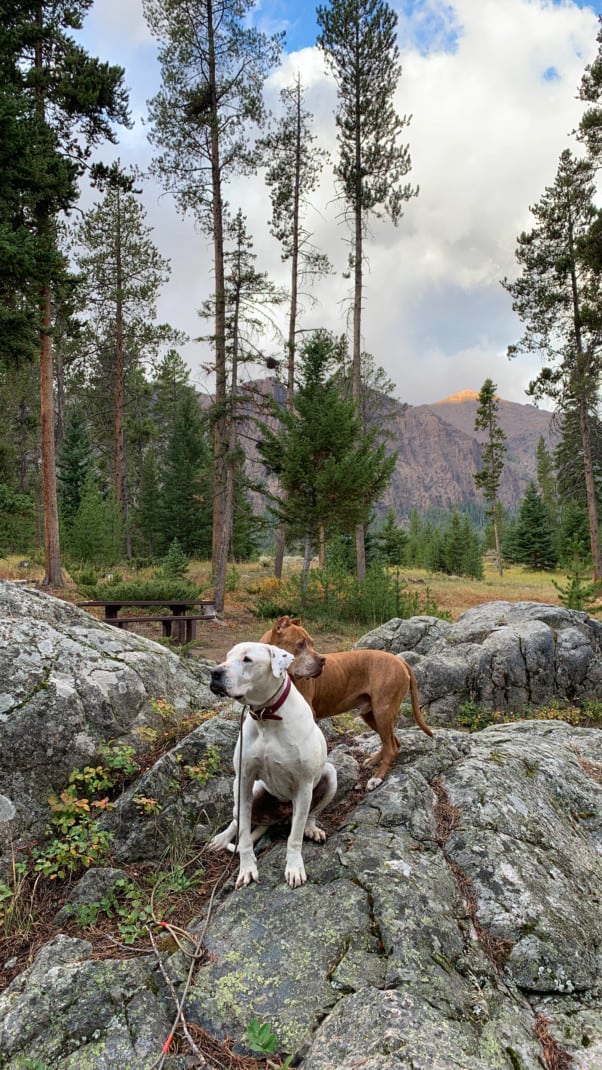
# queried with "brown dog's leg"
point(385, 758)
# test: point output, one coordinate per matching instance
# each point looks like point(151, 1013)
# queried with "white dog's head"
point(248, 671)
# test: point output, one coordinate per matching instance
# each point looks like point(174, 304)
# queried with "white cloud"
point(492, 90)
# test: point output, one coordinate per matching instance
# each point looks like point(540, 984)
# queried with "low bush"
point(333, 594)
point(161, 589)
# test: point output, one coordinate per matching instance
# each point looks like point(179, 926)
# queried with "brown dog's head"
point(288, 634)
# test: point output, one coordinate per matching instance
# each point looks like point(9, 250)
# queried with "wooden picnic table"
point(177, 622)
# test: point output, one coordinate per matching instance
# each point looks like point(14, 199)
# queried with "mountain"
point(437, 446)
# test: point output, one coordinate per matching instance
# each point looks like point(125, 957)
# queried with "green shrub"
point(143, 590)
point(333, 594)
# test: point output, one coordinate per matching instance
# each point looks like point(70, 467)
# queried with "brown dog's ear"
point(281, 624)
point(295, 620)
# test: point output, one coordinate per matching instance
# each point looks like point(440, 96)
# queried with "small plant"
point(120, 757)
point(206, 768)
point(578, 592)
point(127, 903)
point(474, 717)
point(172, 729)
point(146, 805)
point(166, 710)
point(15, 915)
point(592, 711)
point(78, 841)
point(233, 579)
point(81, 843)
point(260, 1038)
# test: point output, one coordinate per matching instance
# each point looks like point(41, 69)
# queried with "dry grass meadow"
point(248, 580)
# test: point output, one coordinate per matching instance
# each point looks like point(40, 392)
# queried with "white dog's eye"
point(248, 660)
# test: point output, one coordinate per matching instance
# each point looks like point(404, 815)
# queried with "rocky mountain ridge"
point(438, 450)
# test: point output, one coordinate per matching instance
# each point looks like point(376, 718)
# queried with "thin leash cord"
point(239, 786)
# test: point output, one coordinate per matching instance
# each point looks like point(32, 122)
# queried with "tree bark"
point(590, 489)
point(222, 485)
point(53, 576)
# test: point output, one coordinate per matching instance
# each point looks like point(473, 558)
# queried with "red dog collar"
point(268, 713)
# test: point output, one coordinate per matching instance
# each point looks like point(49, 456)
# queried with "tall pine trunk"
point(360, 545)
point(223, 490)
point(590, 488)
point(52, 547)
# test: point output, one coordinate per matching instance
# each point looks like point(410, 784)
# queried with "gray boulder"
point(68, 683)
point(501, 655)
point(452, 920)
point(453, 915)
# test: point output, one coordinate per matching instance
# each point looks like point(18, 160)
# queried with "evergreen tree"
point(558, 296)
point(389, 541)
point(590, 126)
point(213, 66)
point(95, 535)
point(184, 506)
point(532, 543)
point(121, 276)
point(493, 451)
point(573, 535)
point(329, 470)
point(293, 167)
point(75, 463)
point(60, 104)
point(546, 479)
point(358, 38)
point(146, 519)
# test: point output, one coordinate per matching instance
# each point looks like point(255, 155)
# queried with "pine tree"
point(558, 296)
point(122, 273)
point(75, 463)
point(546, 479)
point(184, 506)
point(532, 542)
point(329, 470)
point(67, 102)
point(213, 67)
point(389, 541)
point(493, 451)
point(358, 38)
point(293, 167)
point(95, 535)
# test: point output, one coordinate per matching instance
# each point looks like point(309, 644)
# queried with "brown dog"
point(372, 680)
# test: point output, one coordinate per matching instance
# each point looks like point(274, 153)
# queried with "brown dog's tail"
point(418, 715)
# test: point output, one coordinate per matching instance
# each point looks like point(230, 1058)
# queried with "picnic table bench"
point(176, 623)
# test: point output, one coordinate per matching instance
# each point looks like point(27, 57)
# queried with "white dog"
point(283, 756)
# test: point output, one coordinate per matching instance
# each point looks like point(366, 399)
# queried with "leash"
point(238, 790)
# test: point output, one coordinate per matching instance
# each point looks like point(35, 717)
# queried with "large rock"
point(452, 922)
point(454, 915)
point(68, 683)
point(500, 655)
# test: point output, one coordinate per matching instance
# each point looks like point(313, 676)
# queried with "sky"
point(491, 87)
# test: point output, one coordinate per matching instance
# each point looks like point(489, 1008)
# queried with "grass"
point(455, 594)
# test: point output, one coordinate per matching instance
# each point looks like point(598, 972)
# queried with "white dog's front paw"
point(314, 832)
point(294, 873)
point(248, 871)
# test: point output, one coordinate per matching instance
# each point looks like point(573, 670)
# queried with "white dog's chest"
point(283, 763)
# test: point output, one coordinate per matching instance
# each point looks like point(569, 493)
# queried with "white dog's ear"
point(281, 659)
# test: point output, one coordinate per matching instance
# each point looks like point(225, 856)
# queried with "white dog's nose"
point(217, 684)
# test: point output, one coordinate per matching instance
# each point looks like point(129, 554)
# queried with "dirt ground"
point(216, 637)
